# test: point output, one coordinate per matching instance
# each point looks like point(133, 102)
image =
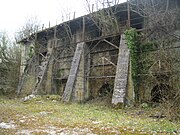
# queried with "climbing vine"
point(131, 36)
point(31, 51)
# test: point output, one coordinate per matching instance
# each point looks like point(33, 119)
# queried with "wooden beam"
point(74, 15)
point(93, 47)
point(128, 13)
point(109, 61)
point(108, 50)
point(99, 77)
point(55, 31)
point(83, 29)
point(92, 8)
point(99, 65)
point(111, 44)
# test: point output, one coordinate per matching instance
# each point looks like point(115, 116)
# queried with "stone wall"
point(102, 70)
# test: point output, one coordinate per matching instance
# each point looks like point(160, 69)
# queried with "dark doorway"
point(105, 90)
point(160, 93)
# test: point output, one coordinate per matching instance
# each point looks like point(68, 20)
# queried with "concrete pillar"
point(121, 78)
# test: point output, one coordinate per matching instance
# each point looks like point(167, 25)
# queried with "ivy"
point(31, 51)
point(131, 36)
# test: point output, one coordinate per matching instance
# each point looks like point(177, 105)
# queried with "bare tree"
point(105, 19)
point(31, 26)
point(161, 23)
point(9, 65)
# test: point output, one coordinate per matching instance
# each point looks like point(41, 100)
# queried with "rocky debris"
point(28, 98)
point(76, 131)
point(22, 121)
point(39, 99)
point(57, 131)
point(7, 125)
point(45, 113)
point(38, 131)
point(96, 122)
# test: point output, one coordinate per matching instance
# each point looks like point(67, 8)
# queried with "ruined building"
point(82, 58)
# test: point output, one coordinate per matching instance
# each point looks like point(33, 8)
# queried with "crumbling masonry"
point(77, 58)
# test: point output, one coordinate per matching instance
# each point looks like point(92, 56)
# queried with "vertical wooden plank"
point(92, 8)
point(42, 26)
point(74, 15)
point(55, 36)
point(55, 31)
point(83, 37)
point(129, 13)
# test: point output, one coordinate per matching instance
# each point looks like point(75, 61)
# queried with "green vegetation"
point(47, 111)
point(9, 65)
point(31, 51)
point(131, 36)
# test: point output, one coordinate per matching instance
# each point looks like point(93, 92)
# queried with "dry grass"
point(42, 113)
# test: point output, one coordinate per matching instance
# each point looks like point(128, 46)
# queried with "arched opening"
point(160, 93)
point(105, 90)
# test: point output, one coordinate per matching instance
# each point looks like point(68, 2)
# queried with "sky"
point(14, 13)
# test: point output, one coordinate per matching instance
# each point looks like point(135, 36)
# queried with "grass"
point(40, 113)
